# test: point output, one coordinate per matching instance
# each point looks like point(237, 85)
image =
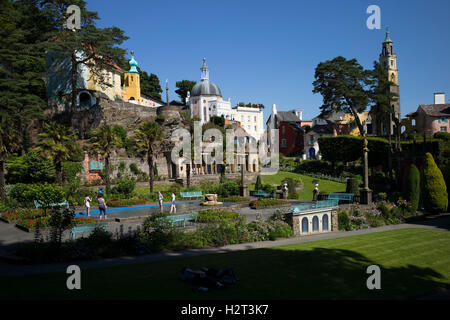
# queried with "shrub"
point(30, 168)
point(344, 220)
point(446, 173)
point(434, 191)
point(157, 231)
point(258, 184)
point(261, 203)
point(411, 191)
point(442, 135)
point(216, 215)
point(352, 186)
point(125, 187)
point(46, 194)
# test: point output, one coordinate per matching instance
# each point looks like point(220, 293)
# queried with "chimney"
point(439, 98)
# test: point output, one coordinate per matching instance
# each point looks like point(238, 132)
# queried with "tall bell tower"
point(388, 60)
point(132, 85)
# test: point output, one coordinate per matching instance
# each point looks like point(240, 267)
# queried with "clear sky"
point(266, 51)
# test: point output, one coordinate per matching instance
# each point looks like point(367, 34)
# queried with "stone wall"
point(125, 114)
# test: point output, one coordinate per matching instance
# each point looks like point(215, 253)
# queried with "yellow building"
point(107, 80)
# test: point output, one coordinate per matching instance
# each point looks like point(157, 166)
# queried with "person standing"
point(87, 204)
point(102, 206)
point(160, 200)
point(173, 206)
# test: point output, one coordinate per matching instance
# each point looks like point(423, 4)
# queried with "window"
point(311, 139)
point(392, 63)
point(325, 222)
point(255, 118)
point(255, 129)
point(283, 130)
point(443, 129)
point(283, 143)
point(315, 224)
point(413, 122)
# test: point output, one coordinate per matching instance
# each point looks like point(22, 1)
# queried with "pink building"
point(430, 118)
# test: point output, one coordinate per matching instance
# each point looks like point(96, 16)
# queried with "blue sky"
point(266, 51)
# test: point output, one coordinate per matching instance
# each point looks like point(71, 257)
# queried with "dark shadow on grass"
point(438, 221)
point(321, 274)
point(272, 274)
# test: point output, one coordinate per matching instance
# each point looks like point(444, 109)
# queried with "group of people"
point(173, 207)
point(101, 205)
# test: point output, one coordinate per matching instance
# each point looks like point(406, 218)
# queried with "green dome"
point(133, 64)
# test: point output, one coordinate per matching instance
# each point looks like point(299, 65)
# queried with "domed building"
point(205, 99)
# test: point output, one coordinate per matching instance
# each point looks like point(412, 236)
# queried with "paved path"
point(442, 223)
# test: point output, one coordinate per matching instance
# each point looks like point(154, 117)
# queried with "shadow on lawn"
point(320, 274)
point(270, 274)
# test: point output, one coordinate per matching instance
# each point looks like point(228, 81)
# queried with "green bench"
point(85, 228)
point(176, 218)
point(64, 204)
point(341, 196)
point(191, 194)
point(263, 194)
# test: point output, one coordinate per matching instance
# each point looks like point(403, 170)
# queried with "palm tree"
point(56, 143)
point(106, 140)
point(147, 141)
point(9, 139)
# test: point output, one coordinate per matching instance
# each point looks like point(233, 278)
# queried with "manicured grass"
point(308, 186)
point(276, 179)
point(413, 262)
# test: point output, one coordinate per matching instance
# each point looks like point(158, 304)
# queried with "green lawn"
point(307, 193)
point(412, 261)
point(276, 179)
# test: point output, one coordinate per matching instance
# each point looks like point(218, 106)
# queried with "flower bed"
point(23, 214)
point(125, 203)
point(266, 203)
point(30, 224)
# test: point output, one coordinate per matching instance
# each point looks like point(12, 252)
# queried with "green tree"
point(56, 143)
point(150, 85)
point(89, 47)
point(183, 87)
point(22, 64)
point(434, 191)
point(258, 184)
point(30, 168)
point(411, 191)
point(106, 140)
point(9, 140)
point(147, 142)
point(344, 85)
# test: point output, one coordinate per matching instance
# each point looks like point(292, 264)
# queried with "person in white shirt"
point(87, 204)
point(160, 200)
point(173, 206)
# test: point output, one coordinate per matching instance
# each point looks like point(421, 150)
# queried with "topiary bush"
point(411, 189)
point(434, 190)
point(258, 184)
point(352, 186)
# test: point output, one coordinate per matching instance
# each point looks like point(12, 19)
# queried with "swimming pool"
point(146, 210)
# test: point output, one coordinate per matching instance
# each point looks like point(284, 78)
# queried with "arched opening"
point(312, 153)
point(84, 100)
point(315, 222)
point(305, 225)
point(132, 98)
point(325, 222)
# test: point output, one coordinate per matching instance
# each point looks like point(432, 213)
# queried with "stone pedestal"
point(243, 191)
point(365, 197)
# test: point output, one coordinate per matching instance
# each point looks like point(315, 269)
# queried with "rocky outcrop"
point(107, 112)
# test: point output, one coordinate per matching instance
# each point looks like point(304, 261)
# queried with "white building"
point(205, 100)
point(251, 119)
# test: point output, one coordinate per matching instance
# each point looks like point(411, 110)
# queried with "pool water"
point(128, 212)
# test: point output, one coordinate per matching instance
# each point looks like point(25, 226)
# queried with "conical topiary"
point(411, 190)
point(258, 184)
point(434, 191)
